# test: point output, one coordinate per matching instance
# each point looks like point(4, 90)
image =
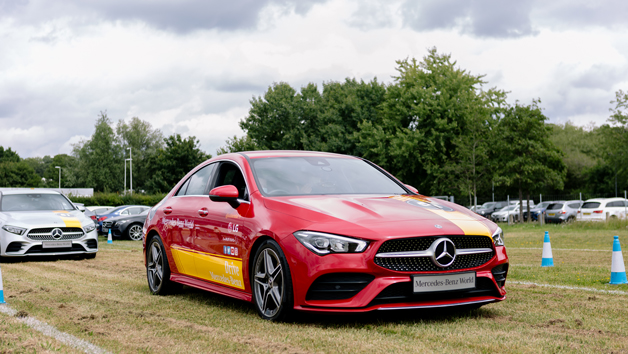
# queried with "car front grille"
point(425, 264)
point(107, 224)
point(38, 249)
point(45, 234)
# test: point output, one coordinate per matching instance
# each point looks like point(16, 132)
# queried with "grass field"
point(106, 302)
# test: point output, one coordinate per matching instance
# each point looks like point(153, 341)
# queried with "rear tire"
point(158, 269)
point(134, 232)
point(271, 283)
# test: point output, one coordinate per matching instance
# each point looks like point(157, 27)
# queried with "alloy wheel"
point(269, 282)
point(155, 267)
point(135, 233)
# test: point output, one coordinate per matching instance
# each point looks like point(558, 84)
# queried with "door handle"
point(167, 210)
point(203, 212)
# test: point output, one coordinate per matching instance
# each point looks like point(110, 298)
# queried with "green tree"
point(14, 172)
point(236, 144)
point(430, 112)
point(172, 162)
point(100, 159)
point(144, 142)
point(8, 155)
point(527, 157)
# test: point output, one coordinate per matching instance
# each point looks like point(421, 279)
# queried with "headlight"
point(89, 228)
point(322, 244)
point(498, 237)
point(14, 229)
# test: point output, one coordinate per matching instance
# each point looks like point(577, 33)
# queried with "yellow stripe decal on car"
point(468, 224)
point(218, 269)
point(68, 219)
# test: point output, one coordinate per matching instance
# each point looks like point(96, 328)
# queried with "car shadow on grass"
point(346, 320)
point(69, 257)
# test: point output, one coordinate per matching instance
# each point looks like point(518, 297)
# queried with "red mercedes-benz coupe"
point(312, 231)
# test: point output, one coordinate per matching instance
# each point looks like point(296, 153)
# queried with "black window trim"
point(206, 190)
point(212, 180)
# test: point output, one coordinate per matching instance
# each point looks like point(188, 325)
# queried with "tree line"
point(436, 126)
point(158, 162)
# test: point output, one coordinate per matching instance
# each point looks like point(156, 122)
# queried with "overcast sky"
point(191, 66)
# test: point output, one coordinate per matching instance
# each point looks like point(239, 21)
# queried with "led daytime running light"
point(498, 237)
point(322, 243)
point(14, 229)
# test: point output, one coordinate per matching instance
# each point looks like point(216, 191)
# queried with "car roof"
point(291, 153)
point(599, 199)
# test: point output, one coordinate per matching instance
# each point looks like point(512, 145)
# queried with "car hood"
point(380, 216)
point(127, 217)
point(45, 218)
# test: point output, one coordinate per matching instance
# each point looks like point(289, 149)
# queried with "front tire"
point(271, 283)
point(134, 232)
point(158, 269)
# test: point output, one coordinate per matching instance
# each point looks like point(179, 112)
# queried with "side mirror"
point(412, 188)
point(228, 193)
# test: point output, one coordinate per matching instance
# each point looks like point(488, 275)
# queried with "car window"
point(125, 212)
point(574, 205)
point(198, 181)
point(229, 174)
point(135, 210)
point(555, 206)
point(321, 176)
point(183, 188)
point(590, 205)
point(25, 202)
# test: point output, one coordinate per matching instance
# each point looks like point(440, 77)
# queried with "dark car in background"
point(121, 210)
point(126, 226)
point(562, 211)
point(538, 209)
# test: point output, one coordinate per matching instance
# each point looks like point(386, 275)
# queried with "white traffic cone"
point(1, 289)
point(548, 259)
point(109, 239)
point(618, 270)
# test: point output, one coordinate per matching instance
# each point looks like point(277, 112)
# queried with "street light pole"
point(125, 176)
point(59, 167)
point(130, 168)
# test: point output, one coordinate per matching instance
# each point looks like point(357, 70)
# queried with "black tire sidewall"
point(163, 286)
point(287, 302)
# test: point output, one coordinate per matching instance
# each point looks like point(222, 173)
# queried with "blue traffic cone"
point(548, 259)
point(109, 239)
point(1, 289)
point(618, 271)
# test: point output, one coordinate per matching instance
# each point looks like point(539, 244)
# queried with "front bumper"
point(385, 289)
point(12, 245)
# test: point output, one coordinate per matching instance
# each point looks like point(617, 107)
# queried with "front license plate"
point(586, 213)
point(456, 281)
point(56, 244)
point(551, 214)
point(105, 230)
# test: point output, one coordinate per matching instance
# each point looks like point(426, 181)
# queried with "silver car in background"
point(44, 223)
point(562, 211)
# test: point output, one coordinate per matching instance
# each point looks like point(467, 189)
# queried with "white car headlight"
point(89, 228)
point(14, 229)
point(498, 237)
point(322, 243)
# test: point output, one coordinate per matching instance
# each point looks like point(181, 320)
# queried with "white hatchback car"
point(601, 209)
point(44, 223)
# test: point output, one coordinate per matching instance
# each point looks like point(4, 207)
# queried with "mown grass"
point(106, 301)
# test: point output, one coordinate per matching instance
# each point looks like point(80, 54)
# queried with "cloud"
point(182, 16)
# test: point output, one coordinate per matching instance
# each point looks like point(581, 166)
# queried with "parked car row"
point(601, 209)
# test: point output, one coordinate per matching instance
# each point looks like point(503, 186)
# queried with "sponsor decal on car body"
point(220, 269)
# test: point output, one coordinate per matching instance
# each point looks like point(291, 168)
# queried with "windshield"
point(26, 202)
point(487, 205)
point(509, 208)
point(314, 175)
point(542, 205)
